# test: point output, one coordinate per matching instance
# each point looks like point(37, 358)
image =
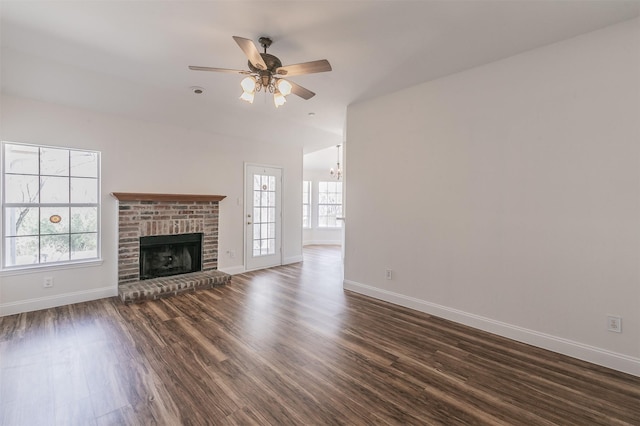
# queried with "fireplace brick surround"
point(141, 215)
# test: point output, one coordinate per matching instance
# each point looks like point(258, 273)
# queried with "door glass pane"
point(264, 214)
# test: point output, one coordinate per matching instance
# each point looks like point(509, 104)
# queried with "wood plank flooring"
point(288, 346)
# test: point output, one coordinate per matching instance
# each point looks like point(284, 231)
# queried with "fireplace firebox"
point(166, 255)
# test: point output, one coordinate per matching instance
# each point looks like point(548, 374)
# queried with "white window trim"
point(66, 264)
point(327, 204)
point(309, 204)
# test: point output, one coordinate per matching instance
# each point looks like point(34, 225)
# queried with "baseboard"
point(322, 243)
point(603, 357)
point(292, 259)
point(233, 270)
point(39, 303)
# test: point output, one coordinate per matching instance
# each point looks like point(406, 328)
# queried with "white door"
point(263, 219)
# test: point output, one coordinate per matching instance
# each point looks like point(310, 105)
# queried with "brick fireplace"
point(144, 215)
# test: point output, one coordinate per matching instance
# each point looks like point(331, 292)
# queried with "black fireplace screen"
point(165, 255)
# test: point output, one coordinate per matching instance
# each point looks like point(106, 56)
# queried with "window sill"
point(21, 270)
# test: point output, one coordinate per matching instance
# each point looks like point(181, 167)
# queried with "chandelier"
point(279, 87)
point(336, 173)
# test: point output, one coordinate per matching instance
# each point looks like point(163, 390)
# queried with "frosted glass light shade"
point(246, 96)
point(284, 87)
point(278, 99)
point(248, 84)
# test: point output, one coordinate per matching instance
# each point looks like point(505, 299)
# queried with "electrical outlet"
point(614, 323)
point(231, 253)
point(389, 274)
point(47, 282)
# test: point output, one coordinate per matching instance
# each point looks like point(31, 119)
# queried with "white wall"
point(144, 157)
point(514, 202)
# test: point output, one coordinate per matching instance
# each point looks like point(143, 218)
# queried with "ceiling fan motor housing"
point(273, 63)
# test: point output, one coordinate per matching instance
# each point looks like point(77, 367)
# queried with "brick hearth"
point(142, 215)
point(169, 286)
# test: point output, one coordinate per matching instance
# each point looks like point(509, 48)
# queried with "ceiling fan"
point(266, 72)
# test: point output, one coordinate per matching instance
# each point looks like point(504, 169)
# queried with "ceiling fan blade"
point(249, 48)
point(321, 65)
point(296, 89)
point(191, 67)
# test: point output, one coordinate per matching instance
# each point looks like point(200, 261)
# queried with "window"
point(50, 205)
point(306, 204)
point(329, 204)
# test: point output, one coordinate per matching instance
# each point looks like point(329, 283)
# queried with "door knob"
point(248, 223)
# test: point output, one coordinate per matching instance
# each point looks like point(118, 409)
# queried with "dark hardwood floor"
point(288, 346)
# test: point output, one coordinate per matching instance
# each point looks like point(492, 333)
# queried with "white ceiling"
point(323, 159)
point(130, 57)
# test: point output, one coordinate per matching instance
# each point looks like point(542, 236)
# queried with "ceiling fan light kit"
point(266, 73)
point(280, 88)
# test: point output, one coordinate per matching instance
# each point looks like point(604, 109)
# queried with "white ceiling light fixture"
point(280, 88)
point(266, 73)
point(248, 85)
point(337, 172)
point(278, 98)
point(284, 87)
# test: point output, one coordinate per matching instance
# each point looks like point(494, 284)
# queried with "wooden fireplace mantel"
point(141, 196)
